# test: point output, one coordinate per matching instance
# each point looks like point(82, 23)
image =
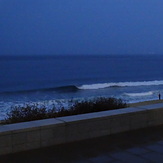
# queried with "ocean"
point(59, 80)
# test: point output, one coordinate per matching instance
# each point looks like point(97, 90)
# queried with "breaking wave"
point(139, 94)
point(121, 84)
point(74, 88)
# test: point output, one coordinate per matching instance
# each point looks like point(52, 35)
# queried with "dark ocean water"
point(57, 79)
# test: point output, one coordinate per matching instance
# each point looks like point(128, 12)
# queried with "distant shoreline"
point(145, 103)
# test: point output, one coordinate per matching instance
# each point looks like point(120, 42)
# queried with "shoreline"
point(145, 103)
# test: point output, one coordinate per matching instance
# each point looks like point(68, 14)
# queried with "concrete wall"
point(37, 134)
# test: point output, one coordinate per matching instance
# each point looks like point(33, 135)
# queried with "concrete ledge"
point(42, 133)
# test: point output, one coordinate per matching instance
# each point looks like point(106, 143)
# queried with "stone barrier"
point(48, 132)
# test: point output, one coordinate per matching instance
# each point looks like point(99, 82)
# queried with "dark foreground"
point(145, 145)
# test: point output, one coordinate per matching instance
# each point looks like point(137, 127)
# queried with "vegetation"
point(34, 112)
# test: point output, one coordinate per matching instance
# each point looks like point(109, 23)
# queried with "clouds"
point(81, 27)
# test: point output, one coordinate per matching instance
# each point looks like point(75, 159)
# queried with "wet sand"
point(145, 103)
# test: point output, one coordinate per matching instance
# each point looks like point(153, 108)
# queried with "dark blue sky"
point(81, 27)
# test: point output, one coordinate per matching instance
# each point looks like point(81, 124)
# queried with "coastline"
point(145, 103)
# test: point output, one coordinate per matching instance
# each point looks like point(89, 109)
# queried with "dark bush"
point(96, 105)
point(26, 113)
point(33, 112)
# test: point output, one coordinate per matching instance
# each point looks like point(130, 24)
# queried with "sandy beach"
point(145, 103)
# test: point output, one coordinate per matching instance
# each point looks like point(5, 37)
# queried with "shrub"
point(96, 105)
point(25, 113)
point(34, 112)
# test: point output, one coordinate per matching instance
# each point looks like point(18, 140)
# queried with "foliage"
point(34, 112)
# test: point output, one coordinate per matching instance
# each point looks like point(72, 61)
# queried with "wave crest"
point(140, 94)
point(121, 84)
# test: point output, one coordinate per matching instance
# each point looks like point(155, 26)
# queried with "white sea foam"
point(140, 94)
point(121, 84)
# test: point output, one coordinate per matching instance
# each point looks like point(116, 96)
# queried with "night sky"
point(39, 27)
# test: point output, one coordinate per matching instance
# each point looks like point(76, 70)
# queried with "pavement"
point(139, 146)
